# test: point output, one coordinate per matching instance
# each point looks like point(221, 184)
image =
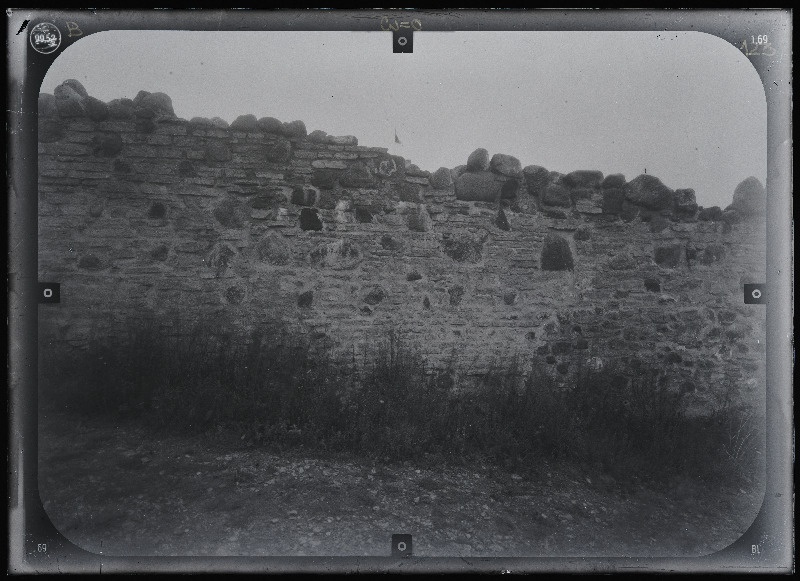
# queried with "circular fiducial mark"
point(45, 38)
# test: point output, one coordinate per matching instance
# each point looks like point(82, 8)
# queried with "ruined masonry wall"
point(151, 215)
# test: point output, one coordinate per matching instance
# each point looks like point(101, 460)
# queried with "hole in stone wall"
point(309, 219)
point(652, 285)
point(502, 221)
point(556, 254)
point(363, 215)
point(389, 243)
point(305, 299)
point(157, 211)
point(456, 294)
point(375, 295)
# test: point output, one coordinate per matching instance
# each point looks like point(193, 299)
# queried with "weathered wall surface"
point(143, 213)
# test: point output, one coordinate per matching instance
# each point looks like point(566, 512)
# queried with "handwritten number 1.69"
point(759, 45)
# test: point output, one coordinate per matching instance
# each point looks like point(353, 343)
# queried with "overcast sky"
point(687, 106)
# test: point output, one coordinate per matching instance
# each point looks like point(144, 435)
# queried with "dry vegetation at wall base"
point(487, 271)
point(271, 390)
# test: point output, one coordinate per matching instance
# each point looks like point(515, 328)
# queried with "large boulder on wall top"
point(69, 97)
point(483, 186)
point(245, 123)
point(158, 103)
point(295, 130)
point(270, 125)
point(536, 179)
point(685, 201)
point(612, 181)
point(149, 104)
point(712, 214)
point(76, 86)
point(648, 191)
point(750, 198)
point(583, 178)
point(441, 179)
point(555, 194)
point(478, 160)
point(506, 165)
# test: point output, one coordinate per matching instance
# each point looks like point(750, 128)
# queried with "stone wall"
point(143, 214)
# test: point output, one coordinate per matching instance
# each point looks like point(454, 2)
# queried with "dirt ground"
point(119, 490)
